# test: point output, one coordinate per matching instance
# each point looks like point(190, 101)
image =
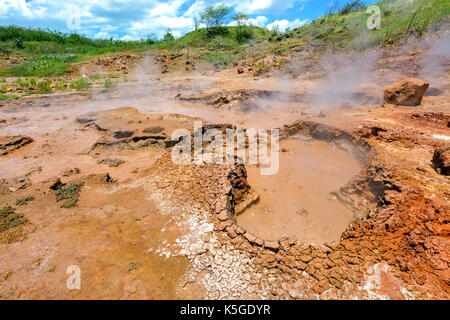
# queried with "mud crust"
point(395, 231)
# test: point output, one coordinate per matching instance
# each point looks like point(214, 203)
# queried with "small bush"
point(24, 201)
point(69, 193)
point(108, 83)
point(44, 66)
point(10, 219)
point(81, 84)
point(222, 43)
point(244, 34)
point(218, 60)
point(352, 6)
point(18, 43)
point(4, 97)
point(45, 85)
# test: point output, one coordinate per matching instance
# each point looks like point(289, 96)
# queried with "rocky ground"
point(87, 179)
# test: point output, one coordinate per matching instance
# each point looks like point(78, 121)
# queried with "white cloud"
point(195, 9)
point(102, 35)
point(132, 19)
point(170, 8)
point(264, 6)
point(159, 25)
point(127, 37)
point(285, 24)
point(259, 21)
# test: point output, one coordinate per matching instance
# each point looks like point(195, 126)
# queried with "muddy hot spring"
point(298, 201)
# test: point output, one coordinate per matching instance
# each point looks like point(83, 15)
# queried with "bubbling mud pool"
point(296, 202)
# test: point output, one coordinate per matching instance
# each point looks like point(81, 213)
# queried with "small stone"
point(306, 258)
point(259, 242)
point(240, 230)
point(206, 237)
point(223, 215)
point(273, 245)
point(251, 238)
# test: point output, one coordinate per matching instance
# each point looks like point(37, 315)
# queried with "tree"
point(196, 23)
point(241, 19)
point(332, 8)
point(352, 6)
point(168, 36)
point(275, 30)
point(215, 17)
point(151, 38)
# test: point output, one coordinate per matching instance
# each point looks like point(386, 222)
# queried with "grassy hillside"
point(399, 19)
point(45, 53)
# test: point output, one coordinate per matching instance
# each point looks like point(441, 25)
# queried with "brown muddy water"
point(296, 202)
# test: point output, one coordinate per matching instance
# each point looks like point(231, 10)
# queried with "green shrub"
point(81, 84)
point(69, 193)
point(44, 66)
point(4, 97)
point(10, 219)
point(352, 6)
point(45, 85)
point(24, 201)
point(217, 59)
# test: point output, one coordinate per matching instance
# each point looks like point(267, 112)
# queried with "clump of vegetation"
point(81, 84)
point(24, 201)
point(352, 6)
point(108, 83)
point(60, 85)
point(168, 37)
point(341, 29)
point(18, 43)
point(43, 66)
point(218, 59)
point(243, 33)
point(156, 129)
point(214, 18)
point(69, 193)
point(10, 219)
point(133, 266)
point(45, 86)
point(6, 97)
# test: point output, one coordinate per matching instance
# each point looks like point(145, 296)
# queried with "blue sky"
point(136, 19)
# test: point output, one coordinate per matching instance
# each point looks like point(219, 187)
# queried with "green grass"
point(6, 97)
point(51, 53)
point(133, 266)
point(229, 39)
point(340, 31)
point(24, 201)
point(45, 53)
point(81, 84)
point(44, 86)
point(107, 84)
point(10, 219)
point(218, 59)
point(69, 193)
point(44, 66)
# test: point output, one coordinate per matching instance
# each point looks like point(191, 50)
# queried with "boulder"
point(441, 159)
point(406, 92)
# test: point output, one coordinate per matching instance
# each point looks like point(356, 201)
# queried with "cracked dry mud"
point(359, 209)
